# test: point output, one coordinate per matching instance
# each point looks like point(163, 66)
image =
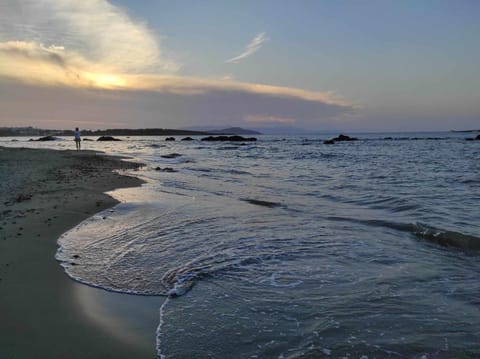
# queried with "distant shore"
point(45, 314)
point(30, 131)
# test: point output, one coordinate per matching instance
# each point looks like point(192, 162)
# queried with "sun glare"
point(107, 81)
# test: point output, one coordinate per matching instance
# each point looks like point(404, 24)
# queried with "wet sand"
point(44, 313)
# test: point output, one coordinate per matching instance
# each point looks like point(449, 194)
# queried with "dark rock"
point(344, 138)
point(87, 139)
point(473, 138)
point(170, 139)
point(187, 139)
point(75, 256)
point(388, 138)
point(23, 197)
point(228, 138)
point(108, 138)
point(339, 138)
point(46, 138)
point(171, 155)
point(166, 169)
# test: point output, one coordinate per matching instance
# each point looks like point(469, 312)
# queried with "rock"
point(228, 138)
point(344, 138)
point(477, 138)
point(166, 169)
point(108, 138)
point(23, 197)
point(87, 139)
point(388, 138)
point(46, 138)
point(171, 155)
point(339, 138)
point(187, 139)
point(170, 139)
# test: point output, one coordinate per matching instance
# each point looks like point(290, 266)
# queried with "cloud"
point(251, 48)
point(38, 64)
point(121, 96)
point(104, 67)
point(105, 35)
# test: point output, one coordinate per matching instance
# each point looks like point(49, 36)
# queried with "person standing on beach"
point(78, 140)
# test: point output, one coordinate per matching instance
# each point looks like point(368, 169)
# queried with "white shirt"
point(77, 135)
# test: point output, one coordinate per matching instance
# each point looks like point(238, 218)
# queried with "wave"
point(447, 238)
point(470, 181)
point(423, 231)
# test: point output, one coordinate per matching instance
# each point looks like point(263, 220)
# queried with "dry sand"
point(44, 313)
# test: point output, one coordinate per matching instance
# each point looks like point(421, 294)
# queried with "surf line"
point(159, 329)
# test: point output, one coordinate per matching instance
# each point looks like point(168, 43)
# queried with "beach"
point(43, 312)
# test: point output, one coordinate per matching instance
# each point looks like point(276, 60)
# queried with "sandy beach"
point(44, 313)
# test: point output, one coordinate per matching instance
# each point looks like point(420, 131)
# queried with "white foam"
point(159, 329)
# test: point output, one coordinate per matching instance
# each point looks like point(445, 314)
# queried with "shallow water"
point(290, 248)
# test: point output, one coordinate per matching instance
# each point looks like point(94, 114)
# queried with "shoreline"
point(44, 313)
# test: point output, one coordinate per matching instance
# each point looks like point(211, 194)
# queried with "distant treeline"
point(134, 132)
point(31, 131)
point(24, 131)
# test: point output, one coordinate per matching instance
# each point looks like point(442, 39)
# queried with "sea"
point(291, 248)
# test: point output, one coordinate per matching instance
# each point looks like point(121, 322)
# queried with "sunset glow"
point(329, 82)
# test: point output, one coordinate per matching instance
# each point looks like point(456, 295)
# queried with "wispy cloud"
point(251, 48)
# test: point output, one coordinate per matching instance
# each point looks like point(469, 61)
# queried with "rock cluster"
point(339, 138)
point(108, 138)
point(46, 138)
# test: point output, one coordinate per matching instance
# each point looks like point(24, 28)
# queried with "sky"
point(358, 65)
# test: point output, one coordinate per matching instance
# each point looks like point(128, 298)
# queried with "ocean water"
point(290, 248)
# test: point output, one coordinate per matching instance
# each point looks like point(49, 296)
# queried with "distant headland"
point(465, 131)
